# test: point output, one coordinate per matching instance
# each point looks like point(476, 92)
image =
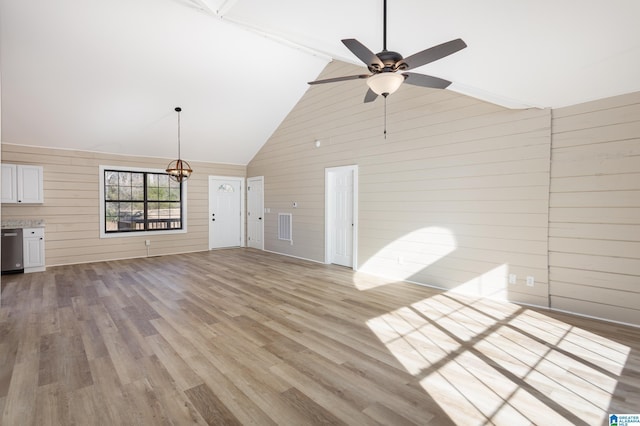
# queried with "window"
point(135, 201)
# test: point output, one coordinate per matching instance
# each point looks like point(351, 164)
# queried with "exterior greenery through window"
point(141, 201)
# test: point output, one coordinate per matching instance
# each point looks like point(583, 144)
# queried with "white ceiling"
point(106, 75)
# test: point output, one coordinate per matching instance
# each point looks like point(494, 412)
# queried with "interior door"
point(225, 212)
point(341, 216)
point(255, 212)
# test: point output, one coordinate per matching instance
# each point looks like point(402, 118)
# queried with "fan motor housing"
point(390, 59)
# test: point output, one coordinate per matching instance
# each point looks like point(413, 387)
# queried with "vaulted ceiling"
point(105, 76)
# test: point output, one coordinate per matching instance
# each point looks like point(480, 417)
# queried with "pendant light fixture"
point(179, 170)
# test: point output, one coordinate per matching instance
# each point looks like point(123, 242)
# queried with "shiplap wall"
point(594, 231)
point(71, 208)
point(455, 197)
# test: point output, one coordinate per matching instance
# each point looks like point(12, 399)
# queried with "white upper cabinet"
point(9, 185)
point(22, 184)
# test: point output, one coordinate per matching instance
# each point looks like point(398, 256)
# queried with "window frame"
point(121, 234)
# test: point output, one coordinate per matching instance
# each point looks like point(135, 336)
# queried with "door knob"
point(213, 220)
point(259, 218)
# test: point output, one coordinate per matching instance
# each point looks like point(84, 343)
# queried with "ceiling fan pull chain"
point(385, 117)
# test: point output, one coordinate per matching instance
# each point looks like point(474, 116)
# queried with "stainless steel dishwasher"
point(12, 262)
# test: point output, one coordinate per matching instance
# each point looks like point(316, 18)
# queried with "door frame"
point(328, 217)
point(261, 178)
point(243, 211)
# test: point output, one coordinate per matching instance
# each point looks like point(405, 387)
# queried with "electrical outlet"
point(147, 243)
point(512, 278)
point(530, 281)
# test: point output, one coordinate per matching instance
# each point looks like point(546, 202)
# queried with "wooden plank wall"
point(456, 196)
point(459, 195)
point(71, 208)
point(594, 229)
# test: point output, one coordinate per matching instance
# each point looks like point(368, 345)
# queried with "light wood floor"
point(246, 337)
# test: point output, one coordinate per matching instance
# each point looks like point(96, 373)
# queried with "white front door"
point(341, 216)
point(255, 212)
point(225, 212)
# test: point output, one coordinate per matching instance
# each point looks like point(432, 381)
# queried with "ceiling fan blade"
point(434, 53)
point(362, 52)
point(336, 79)
point(425, 80)
point(370, 96)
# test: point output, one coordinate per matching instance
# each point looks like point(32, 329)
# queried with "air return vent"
point(285, 227)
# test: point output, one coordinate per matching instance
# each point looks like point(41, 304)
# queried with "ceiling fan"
point(384, 78)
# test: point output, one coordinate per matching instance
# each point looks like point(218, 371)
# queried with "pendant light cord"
point(179, 135)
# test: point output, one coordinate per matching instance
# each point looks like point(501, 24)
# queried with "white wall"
point(71, 209)
point(455, 197)
point(594, 243)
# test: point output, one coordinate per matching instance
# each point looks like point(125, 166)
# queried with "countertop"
point(22, 223)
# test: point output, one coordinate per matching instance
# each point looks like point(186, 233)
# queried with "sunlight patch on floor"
point(507, 364)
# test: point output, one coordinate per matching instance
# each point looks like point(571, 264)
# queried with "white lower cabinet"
point(33, 249)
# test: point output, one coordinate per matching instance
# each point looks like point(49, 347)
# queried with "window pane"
point(153, 210)
point(152, 186)
point(110, 177)
point(152, 193)
point(111, 193)
point(124, 178)
point(174, 193)
point(137, 179)
point(174, 210)
point(138, 210)
point(171, 213)
point(111, 216)
point(126, 197)
point(125, 211)
point(137, 193)
point(124, 217)
point(163, 193)
point(124, 193)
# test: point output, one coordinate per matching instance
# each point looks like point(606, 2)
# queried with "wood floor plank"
point(210, 407)
point(21, 398)
point(334, 401)
point(180, 371)
point(52, 406)
point(243, 336)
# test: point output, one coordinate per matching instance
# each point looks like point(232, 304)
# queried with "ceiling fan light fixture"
point(385, 83)
point(179, 170)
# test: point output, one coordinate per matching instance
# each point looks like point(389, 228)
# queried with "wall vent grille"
point(285, 227)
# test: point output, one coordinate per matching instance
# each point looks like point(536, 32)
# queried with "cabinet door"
point(9, 186)
point(33, 247)
point(30, 184)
